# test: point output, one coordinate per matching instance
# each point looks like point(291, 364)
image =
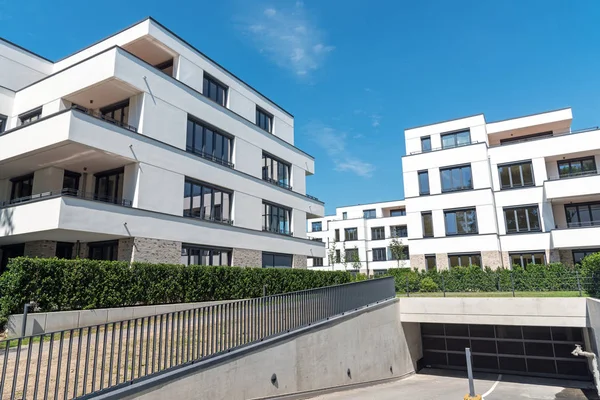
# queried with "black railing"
point(67, 192)
point(277, 183)
point(312, 197)
point(210, 157)
point(454, 146)
point(554, 134)
point(573, 175)
point(103, 117)
point(277, 229)
point(99, 358)
point(209, 217)
point(583, 224)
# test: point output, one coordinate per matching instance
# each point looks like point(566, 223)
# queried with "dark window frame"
point(273, 255)
point(405, 252)
point(429, 257)
point(349, 230)
point(189, 213)
point(370, 213)
point(165, 65)
point(394, 231)
point(264, 118)
point(223, 251)
point(380, 254)
point(526, 138)
point(401, 212)
point(423, 215)
point(286, 168)
point(525, 207)
point(317, 261)
point(338, 256)
point(421, 191)
point(268, 218)
point(3, 122)
point(425, 139)
point(336, 235)
point(199, 129)
point(523, 254)
point(457, 188)
point(377, 233)
point(207, 79)
point(74, 175)
point(316, 223)
point(65, 248)
point(577, 206)
point(114, 197)
point(348, 258)
point(30, 116)
point(344, 215)
point(459, 255)
point(511, 184)
point(14, 186)
point(577, 174)
point(109, 112)
point(454, 134)
point(461, 210)
point(586, 252)
point(111, 245)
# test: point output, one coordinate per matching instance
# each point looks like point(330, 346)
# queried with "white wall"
point(19, 67)
point(47, 180)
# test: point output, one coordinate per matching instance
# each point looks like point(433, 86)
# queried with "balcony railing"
point(103, 117)
point(67, 192)
point(209, 217)
point(573, 175)
point(445, 148)
point(583, 224)
point(277, 183)
point(554, 134)
point(210, 157)
point(312, 197)
point(277, 229)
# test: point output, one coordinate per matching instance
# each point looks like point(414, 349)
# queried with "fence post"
point(407, 291)
point(444, 285)
point(24, 322)
point(578, 283)
point(512, 281)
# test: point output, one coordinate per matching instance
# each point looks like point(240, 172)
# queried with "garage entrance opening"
point(518, 350)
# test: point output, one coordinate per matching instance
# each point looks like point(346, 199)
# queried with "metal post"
point(470, 372)
point(512, 281)
point(407, 291)
point(264, 290)
point(24, 322)
point(578, 283)
point(443, 285)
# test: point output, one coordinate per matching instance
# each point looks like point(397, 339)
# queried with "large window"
point(8, 252)
point(317, 261)
point(377, 233)
point(276, 260)
point(214, 90)
point(380, 254)
point(423, 182)
point(427, 224)
point(64, 250)
point(522, 219)
point(204, 201)
point(208, 143)
point(276, 218)
point(351, 255)
point(264, 120)
point(399, 212)
point(464, 260)
point(3, 120)
point(109, 186)
point(30, 116)
point(461, 222)
point(456, 178)
point(317, 226)
point(351, 234)
point(430, 263)
point(405, 254)
point(580, 254)
point(117, 113)
point(104, 250)
point(338, 256)
point(577, 167)
point(426, 144)
point(524, 259)
point(71, 182)
point(399, 231)
point(585, 214)
point(516, 175)
point(369, 214)
point(21, 187)
point(344, 215)
point(200, 255)
point(276, 171)
point(456, 139)
point(337, 235)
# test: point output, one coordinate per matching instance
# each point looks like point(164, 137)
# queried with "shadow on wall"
point(6, 221)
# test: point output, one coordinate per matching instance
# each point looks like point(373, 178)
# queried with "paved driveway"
point(448, 385)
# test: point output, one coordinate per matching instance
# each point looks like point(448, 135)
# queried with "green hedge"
point(57, 284)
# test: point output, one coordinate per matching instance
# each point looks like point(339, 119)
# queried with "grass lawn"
point(573, 293)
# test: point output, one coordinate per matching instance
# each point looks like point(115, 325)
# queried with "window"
point(316, 226)
point(109, 186)
point(456, 178)
point(461, 222)
point(3, 120)
point(405, 254)
point(380, 272)
point(166, 67)
point(71, 182)
point(516, 175)
point(337, 235)
point(21, 187)
point(276, 260)
point(369, 214)
point(317, 261)
point(264, 120)
point(64, 250)
point(8, 252)
point(398, 212)
point(214, 90)
point(430, 263)
point(526, 138)
point(208, 143)
point(524, 259)
point(204, 201)
point(276, 171)
point(423, 183)
point(338, 256)
point(276, 218)
point(344, 215)
point(579, 167)
point(30, 116)
point(351, 255)
point(580, 254)
point(351, 234)
point(585, 214)
point(377, 233)
point(464, 260)
point(107, 251)
point(399, 231)
point(200, 255)
point(427, 224)
point(117, 113)
point(456, 139)
point(380, 254)
point(425, 144)
point(522, 219)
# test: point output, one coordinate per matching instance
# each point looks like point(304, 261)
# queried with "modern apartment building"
point(360, 238)
point(141, 148)
point(501, 193)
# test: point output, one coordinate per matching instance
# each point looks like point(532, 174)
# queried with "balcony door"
point(71, 183)
point(109, 186)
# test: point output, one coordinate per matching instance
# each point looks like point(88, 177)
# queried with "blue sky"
point(355, 74)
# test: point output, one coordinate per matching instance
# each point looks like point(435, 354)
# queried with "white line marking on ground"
point(483, 396)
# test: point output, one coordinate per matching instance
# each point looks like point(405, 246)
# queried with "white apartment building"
point(141, 148)
point(360, 236)
point(501, 193)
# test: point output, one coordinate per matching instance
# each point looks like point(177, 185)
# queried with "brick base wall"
point(441, 261)
point(300, 261)
point(247, 258)
point(492, 259)
point(566, 257)
point(40, 248)
point(417, 261)
point(149, 250)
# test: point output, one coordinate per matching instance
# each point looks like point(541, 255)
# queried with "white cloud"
point(289, 37)
point(375, 120)
point(334, 142)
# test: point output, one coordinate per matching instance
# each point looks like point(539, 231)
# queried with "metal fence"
point(72, 363)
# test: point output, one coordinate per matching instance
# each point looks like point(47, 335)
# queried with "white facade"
point(376, 225)
point(519, 178)
point(47, 146)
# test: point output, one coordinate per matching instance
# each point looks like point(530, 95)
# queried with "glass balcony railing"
point(67, 192)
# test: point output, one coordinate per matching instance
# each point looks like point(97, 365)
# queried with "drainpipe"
point(579, 352)
point(489, 163)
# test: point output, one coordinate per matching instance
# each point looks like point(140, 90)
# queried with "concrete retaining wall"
point(56, 321)
point(365, 346)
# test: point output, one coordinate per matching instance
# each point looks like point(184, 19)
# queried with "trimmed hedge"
point(58, 284)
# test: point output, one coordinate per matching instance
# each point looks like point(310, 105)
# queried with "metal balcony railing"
point(277, 183)
point(67, 192)
point(573, 175)
point(277, 229)
point(454, 146)
point(103, 117)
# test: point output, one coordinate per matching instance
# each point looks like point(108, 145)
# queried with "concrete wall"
point(365, 346)
point(593, 312)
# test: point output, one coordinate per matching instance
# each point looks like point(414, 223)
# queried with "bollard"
point(24, 323)
point(471, 395)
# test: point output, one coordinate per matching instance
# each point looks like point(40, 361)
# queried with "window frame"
point(228, 252)
point(394, 230)
point(336, 237)
point(405, 251)
point(515, 208)
point(20, 179)
point(401, 211)
point(588, 205)
point(454, 134)
point(423, 215)
point(344, 215)
point(219, 85)
point(586, 252)
point(212, 217)
point(271, 254)
point(192, 148)
point(268, 158)
point(316, 223)
point(379, 254)
point(268, 219)
point(510, 177)
point(523, 254)
point(456, 189)
point(122, 105)
point(346, 234)
point(348, 259)
point(268, 117)
point(338, 256)
point(424, 172)
point(110, 197)
point(3, 122)
point(459, 255)
point(576, 175)
point(111, 245)
point(423, 140)
point(375, 233)
point(25, 118)
point(428, 257)
point(317, 261)
point(460, 210)
point(370, 213)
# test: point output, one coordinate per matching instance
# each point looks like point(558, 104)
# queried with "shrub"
point(590, 268)
point(57, 285)
point(428, 285)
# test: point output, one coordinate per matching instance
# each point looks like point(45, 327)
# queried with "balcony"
point(583, 235)
point(66, 192)
point(278, 230)
point(279, 183)
point(572, 186)
point(454, 146)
